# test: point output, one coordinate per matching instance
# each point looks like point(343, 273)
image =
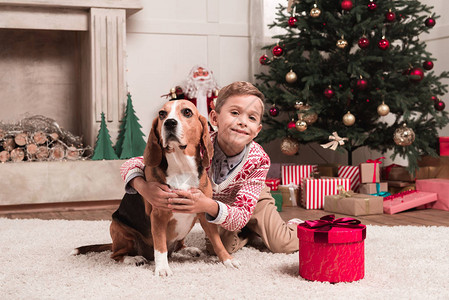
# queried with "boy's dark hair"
point(238, 88)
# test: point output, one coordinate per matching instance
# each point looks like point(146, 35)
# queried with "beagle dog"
point(178, 151)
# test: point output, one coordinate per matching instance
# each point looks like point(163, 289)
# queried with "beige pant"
point(276, 234)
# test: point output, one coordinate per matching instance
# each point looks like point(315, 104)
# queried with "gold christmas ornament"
point(298, 105)
point(404, 136)
point(301, 125)
point(342, 43)
point(306, 115)
point(315, 12)
point(289, 146)
point(383, 109)
point(173, 93)
point(348, 119)
point(291, 77)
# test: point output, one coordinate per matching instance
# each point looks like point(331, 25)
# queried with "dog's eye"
point(187, 112)
point(162, 114)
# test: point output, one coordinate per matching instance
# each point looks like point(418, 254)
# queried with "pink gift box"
point(314, 190)
point(335, 255)
point(436, 185)
point(407, 200)
point(353, 173)
point(444, 145)
point(293, 174)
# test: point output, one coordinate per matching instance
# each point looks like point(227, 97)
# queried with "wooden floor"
point(102, 210)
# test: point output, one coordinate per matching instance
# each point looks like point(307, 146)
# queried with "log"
point(2, 134)
point(9, 144)
point(31, 149)
point(54, 136)
point(57, 152)
point(17, 154)
point(21, 139)
point(42, 153)
point(73, 153)
point(40, 137)
point(4, 156)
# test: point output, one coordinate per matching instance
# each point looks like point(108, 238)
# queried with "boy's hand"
point(193, 201)
point(154, 192)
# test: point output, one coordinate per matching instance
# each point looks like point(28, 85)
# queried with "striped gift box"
point(292, 174)
point(314, 190)
point(353, 173)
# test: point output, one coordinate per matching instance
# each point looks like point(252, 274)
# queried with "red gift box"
point(353, 173)
point(314, 190)
point(273, 183)
point(436, 185)
point(332, 249)
point(293, 174)
point(444, 146)
point(407, 200)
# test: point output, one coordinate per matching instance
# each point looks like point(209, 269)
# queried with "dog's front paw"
point(232, 263)
point(135, 260)
point(163, 271)
point(191, 251)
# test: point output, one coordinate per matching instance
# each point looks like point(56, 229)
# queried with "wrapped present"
point(329, 170)
point(399, 173)
point(374, 188)
point(273, 183)
point(350, 203)
point(293, 174)
point(290, 195)
point(314, 190)
point(353, 173)
point(277, 196)
point(439, 186)
point(444, 145)
point(407, 200)
point(332, 250)
point(370, 170)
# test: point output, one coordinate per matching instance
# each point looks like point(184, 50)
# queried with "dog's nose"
point(170, 123)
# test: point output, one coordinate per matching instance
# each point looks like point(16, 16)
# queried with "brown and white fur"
point(178, 151)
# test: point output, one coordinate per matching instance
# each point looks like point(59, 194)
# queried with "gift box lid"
point(444, 139)
point(332, 231)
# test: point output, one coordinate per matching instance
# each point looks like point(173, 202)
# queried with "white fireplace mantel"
point(102, 27)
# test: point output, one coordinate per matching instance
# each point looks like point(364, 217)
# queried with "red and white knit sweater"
point(237, 195)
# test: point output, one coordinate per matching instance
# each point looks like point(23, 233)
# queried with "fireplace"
point(65, 60)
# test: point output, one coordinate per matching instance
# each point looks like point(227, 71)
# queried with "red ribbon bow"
point(375, 162)
point(326, 223)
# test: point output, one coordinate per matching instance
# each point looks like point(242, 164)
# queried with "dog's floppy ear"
point(206, 143)
point(153, 152)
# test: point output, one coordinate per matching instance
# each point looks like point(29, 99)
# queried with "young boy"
point(242, 204)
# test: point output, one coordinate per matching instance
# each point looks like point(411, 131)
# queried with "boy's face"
point(238, 122)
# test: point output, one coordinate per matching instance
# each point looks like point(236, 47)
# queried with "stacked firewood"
point(29, 143)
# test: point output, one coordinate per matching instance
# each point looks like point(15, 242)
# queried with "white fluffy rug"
point(401, 262)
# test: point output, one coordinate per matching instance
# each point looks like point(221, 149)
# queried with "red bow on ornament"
point(375, 162)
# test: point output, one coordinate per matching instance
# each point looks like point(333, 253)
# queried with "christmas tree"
point(356, 68)
point(130, 141)
point(103, 147)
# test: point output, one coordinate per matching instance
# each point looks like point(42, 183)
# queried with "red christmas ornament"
point(390, 16)
point(372, 5)
point(347, 5)
point(383, 44)
point(434, 99)
point(416, 74)
point(362, 84)
point(264, 60)
point(292, 21)
point(277, 50)
point(427, 65)
point(329, 92)
point(363, 42)
point(439, 105)
point(274, 111)
point(291, 124)
point(430, 22)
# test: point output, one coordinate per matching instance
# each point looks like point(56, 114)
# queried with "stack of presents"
point(332, 250)
point(366, 189)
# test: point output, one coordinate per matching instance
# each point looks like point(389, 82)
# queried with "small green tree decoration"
point(103, 148)
point(130, 141)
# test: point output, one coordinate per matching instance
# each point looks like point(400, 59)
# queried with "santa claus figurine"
point(201, 88)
